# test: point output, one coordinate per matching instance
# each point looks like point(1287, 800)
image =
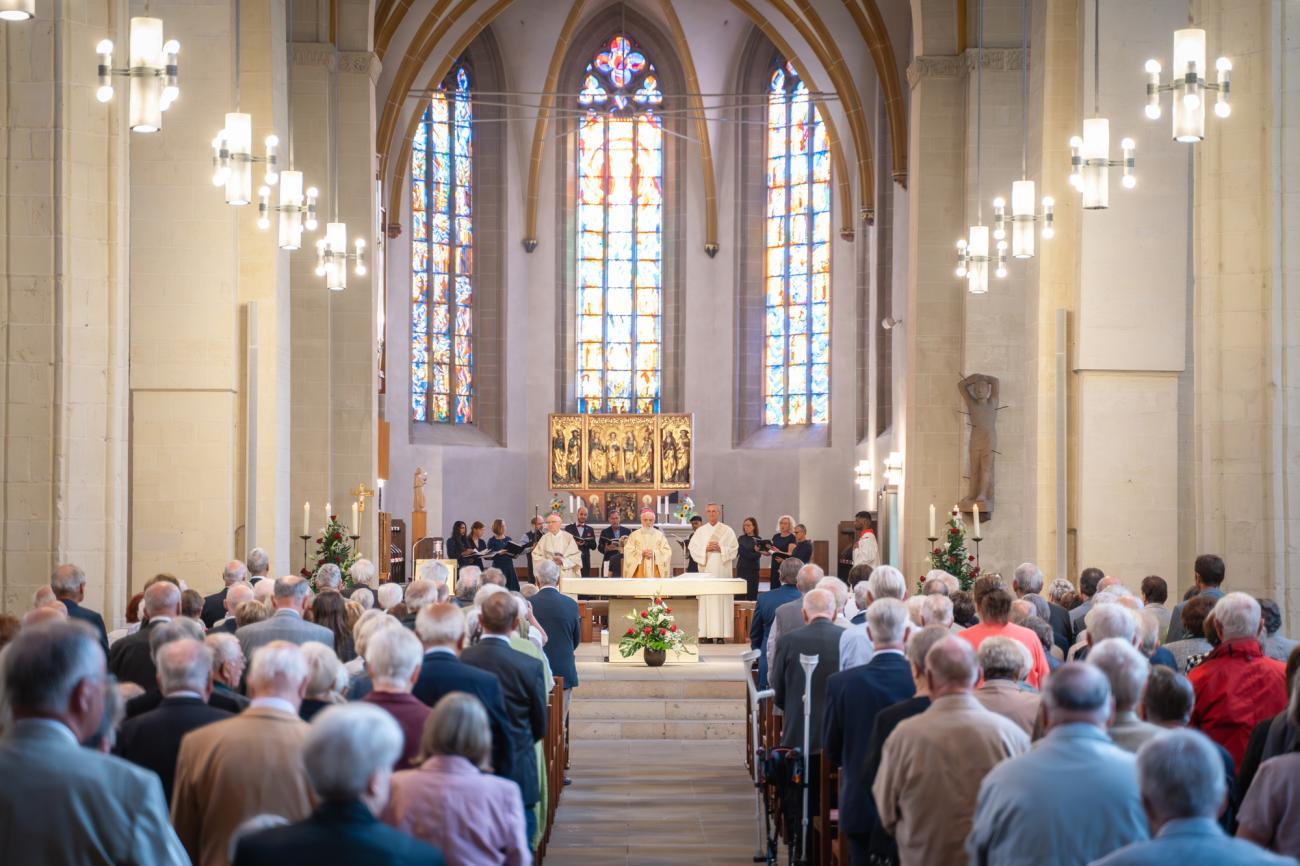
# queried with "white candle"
point(976, 514)
point(356, 519)
point(328, 512)
point(932, 532)
point(306, 518)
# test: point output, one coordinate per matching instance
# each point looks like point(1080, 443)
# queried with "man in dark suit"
point(853, 699)
point(819, 636)
point(765, 613)
point(609, 543)
point(523, 685)
point(344, 828)
point(130, 659)
point(1028, 580)
point(69, 585)
point(558, 616)
point(259, 565)
point(441, 628)
point(585, 537)
point(214, 606)
point(180, 629)
point(153, 739)
point(236, 594)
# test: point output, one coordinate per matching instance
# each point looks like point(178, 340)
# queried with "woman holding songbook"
point(460, 548)
point(751, 552)
point(783, 542)
point(502, 559)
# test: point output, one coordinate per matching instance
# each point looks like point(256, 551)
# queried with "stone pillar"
point(62, 389)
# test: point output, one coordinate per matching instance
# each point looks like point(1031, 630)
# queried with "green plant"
point(950, 553)
point(334, 545)
point(654, 629)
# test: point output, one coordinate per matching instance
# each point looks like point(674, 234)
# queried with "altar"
point(702, 606)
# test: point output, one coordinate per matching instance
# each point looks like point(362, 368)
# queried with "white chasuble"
point(559, 544)
point(715, 610)
point(635, 563)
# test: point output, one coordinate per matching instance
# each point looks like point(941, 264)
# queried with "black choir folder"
point(516, 549)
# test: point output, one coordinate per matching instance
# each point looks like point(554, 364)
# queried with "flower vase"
point(654, 658)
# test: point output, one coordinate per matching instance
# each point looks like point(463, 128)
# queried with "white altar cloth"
point(714, 595)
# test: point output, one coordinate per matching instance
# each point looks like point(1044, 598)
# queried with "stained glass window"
point(442, 257)
point(796, 352)
point(620, 233)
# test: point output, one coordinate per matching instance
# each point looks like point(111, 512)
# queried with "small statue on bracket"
point(417, 489)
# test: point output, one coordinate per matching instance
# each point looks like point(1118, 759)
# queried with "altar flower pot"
point(654, 658)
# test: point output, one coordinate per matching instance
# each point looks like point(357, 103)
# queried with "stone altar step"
point(615, 688)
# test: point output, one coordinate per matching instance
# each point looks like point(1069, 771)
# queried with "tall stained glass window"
point(620, 233)
point(796, 353)
point(442, 257)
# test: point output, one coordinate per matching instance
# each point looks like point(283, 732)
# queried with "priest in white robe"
point(866, 550)
point(714, 548)
point(558, 546)
point(646, 552)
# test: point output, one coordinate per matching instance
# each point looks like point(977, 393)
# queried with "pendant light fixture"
point(297, 207)
point(1090, 161)
point(1188, 86)
point(155, 84)
point(973, 251)
point(17, 10)
point(1023, 206)
point(332, 254)
point(232, 149)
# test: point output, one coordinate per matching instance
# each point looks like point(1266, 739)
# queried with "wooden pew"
point(554, 757)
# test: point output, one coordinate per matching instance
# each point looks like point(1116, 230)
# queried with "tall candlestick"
point(933, 534)
point(356, 519)
point(976, 514)
point(329, 512)
point(306, 518)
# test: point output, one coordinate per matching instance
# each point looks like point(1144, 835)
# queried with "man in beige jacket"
point(933, 763)
point(229, 771)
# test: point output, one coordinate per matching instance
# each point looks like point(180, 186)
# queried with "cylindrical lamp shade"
point(977, 271)
point(1096, 156)
point(336, 263)
point(1022, 219)
point(1189, 96)
point(290, 210)
point(17, 10)
point(239, 142)
point(145, 111)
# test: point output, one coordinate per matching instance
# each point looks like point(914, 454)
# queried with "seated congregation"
point(1018, 724)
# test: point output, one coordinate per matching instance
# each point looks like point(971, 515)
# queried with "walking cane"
point(761, 844)
point(809, 664)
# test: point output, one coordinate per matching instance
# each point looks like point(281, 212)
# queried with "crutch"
point(809, 664)
point(763, 852)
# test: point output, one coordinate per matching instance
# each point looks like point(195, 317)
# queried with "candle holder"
point(354, 539)
point(933, 539)
point(305, 539)
point(977, 539)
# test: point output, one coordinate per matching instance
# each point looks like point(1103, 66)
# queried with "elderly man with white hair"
point(1237, 686)
point(214, 606)
point(1004, 664)
point(152, 740)
point(348, 756)
point(854, 697)
point(247, 765)
point(419, 592)
point(359, 682)
point(1127, 670)
point(393, 658)
point(328, 578)
point(130, 659)
point(819, 636)
point(388, 595)
point(937, 610)
point(287, 622)
point(1073, 797)
point(236, 595)
point(68, 583)
point(258, 564)
point(468, 582)
point(363, 574)
point(1027, 580)
point(1107, 619)
point(228, 665)
point(855, 643)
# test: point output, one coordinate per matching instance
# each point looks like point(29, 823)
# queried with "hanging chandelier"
point(17, 10)
point(296, 209)
point(974, 254)
point(332, 254)
point(1023, 205)
point(232, 149)
point(153, 74)
point(1189, 86)
point(1090, 161)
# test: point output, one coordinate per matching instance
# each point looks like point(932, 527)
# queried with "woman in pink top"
point(994, 604)
point(448, 801)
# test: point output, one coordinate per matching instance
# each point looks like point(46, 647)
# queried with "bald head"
point(54, 610)
point(234, 572)
point(1077, 692)
point(184, 665)
point(818, 604)
point(237, 595)
point(951, 667)
point(809, 576)
point(162, 599)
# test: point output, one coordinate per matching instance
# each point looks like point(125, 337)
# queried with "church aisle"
point(655, 803)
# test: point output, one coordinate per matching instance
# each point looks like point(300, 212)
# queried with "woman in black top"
point(751, 552)
point(459, 547)
point(474, 553)
point(802, 546)
point(501, 560)
point(783, 542)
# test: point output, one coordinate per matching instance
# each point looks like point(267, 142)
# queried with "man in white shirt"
point(866, 550)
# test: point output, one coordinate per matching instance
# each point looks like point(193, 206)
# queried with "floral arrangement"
point(654, 629)
point(950, 553)
point(685, 510)
point(334, 545)
point(557, 505)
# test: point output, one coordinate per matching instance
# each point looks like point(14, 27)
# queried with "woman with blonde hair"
point(326, 680)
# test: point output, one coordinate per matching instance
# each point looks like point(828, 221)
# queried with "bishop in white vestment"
point(646, 552)
point(559, 547)
point(715, 548)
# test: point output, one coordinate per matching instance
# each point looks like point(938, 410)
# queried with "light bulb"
point(105, 46)
point(104, 93)
point(1153, 110)
point(961, 271)
point(1222, 109)
point(1152, 67)
point(272, 141)
point(1076, 181)
point(999, 202)
point(1223, 64)
point(171, 46)
point(1049, 202)
point(1191, 101)
point(1048, 233)
point(1076, 142)
point(1000, 273)
point(263, 223)
point(1128, 181)
point(1127, 144)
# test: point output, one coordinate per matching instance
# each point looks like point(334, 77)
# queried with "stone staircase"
point(658, 709)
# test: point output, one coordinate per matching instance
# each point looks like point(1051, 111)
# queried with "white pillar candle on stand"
point(976, 513)
point(933, 534)
point(356, 519)
point(306, 518)
point(328, 512)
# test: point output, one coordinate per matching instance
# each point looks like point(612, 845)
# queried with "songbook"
point(515, 549)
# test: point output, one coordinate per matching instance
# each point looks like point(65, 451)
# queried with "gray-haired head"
point(329, 576)
point(162, 599)
point(434, 571)
point(67, 581)
point(291, 592)
point(1110, 620)
point(55, 669)
point(1237, 615)
point(548, 573)
point(234, 572)
point(43, 596)
point(887, 622)
point(789, 570)
point(388, 595)
point(887, 582)
point(937, 610)
point(919, 645)
point(326, 676)
point(1041, 609)
point(1077, 692)
point(392, 656)
point(278, 669)
point(237, 595)
point(184, 665)
point(467, 583)
point(419, 593)
point(347, 747)
point(818, 603)
point(1027, 578)
point(1180, 775)
point(440, 625)
point(1004, 658)
point(837, 588)
point(364, 573)
point(809, 576)
point(181, 628)
point(258, 562)
point(364, 597)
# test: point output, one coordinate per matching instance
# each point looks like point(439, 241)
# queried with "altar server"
point(559, 547)
point(714, 544)
point(646, 552)
point(866, 550)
